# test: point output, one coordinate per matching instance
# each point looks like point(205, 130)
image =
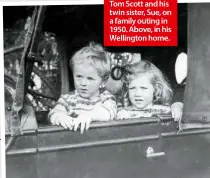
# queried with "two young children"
point(148, 92)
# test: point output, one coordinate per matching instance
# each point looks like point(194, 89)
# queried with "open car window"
point(51, 75)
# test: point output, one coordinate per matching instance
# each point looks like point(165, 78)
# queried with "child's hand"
point(84, 121)
point(123, 114)
point(177, 110)
point(62, 120)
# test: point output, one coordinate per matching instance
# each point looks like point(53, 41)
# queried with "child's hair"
point(162, 89)
point(95, 55)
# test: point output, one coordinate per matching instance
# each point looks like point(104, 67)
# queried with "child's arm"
point(177, 110)
point(131, 114)
point(59, 114)
point(102, 112)
point(106, 111)
point(161, 109)
point(177, 106)
point(123, 114)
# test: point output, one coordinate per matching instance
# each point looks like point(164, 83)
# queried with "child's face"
point(86, 80)
point(141, 92)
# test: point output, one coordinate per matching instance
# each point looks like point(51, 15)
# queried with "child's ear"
point(105, 80)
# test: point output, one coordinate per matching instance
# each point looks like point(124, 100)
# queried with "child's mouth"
point(138, 100)
point(83, 90)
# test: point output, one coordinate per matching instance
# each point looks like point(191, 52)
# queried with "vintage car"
point(155, 147)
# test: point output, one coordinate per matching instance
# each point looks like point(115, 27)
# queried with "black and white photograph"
point(76, 108)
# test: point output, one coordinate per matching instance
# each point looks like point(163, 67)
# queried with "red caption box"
point(140, 22)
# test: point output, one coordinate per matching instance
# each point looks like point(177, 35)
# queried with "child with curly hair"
point(149, 92)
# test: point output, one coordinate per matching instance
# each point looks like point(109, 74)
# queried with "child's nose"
point(138, 93)
point(84, 82)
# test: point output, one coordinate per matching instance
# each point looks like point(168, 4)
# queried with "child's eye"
point(131, 88)
point(90, 78)
point(143, 88)
point(78, 76)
